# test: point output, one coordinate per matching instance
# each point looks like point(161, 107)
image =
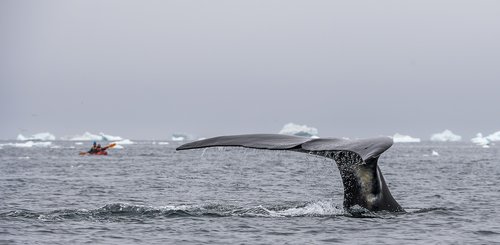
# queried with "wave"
point(118, 211)
point(123, 212)
point(28, 144)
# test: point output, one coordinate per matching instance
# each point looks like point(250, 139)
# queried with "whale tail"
point(357, 161)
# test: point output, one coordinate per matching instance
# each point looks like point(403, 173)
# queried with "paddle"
point(109, 146)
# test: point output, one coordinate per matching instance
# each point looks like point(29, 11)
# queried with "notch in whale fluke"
point(363, 182)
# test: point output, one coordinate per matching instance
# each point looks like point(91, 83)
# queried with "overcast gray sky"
point(147, 69)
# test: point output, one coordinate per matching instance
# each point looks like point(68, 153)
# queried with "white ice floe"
point(163, 143)
point(28, 144)
point(400, 138)
point(299, 130)
point(37, 137)
point(435, 153)
point(446, 136)
point(78, 143)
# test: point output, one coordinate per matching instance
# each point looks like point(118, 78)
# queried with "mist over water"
point(150, 194)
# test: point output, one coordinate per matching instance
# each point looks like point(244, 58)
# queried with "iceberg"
point(435, 153)
point(37, 137)
point(480, 140)
point(178, 138)
point(181, 137)
point(110, 137)
point(86, 137)
point(299, 130)
point(446, 136)
point(494, 136)
point(400, 138)
point(93, 137)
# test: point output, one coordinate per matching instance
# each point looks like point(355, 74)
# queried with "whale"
point(357, 160)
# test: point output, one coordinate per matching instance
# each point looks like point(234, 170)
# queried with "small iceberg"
point(181, 137)
point(299, 130)
point(37, 137)
point(178, 138)
point(400, 138)
point(163, 143)
point(494, 136)
point(480, 140)
point(446, 136)
point(435, 153)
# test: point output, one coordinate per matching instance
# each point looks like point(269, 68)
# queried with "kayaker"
point(99, 148)
point(93, 149)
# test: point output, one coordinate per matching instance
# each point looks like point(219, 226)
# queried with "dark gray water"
point(150, 194)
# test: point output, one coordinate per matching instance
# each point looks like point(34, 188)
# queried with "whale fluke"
point(364, 185)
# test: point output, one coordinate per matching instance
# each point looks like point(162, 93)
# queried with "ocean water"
point(150, 194)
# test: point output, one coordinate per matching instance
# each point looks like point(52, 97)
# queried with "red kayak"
point(102, 153)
